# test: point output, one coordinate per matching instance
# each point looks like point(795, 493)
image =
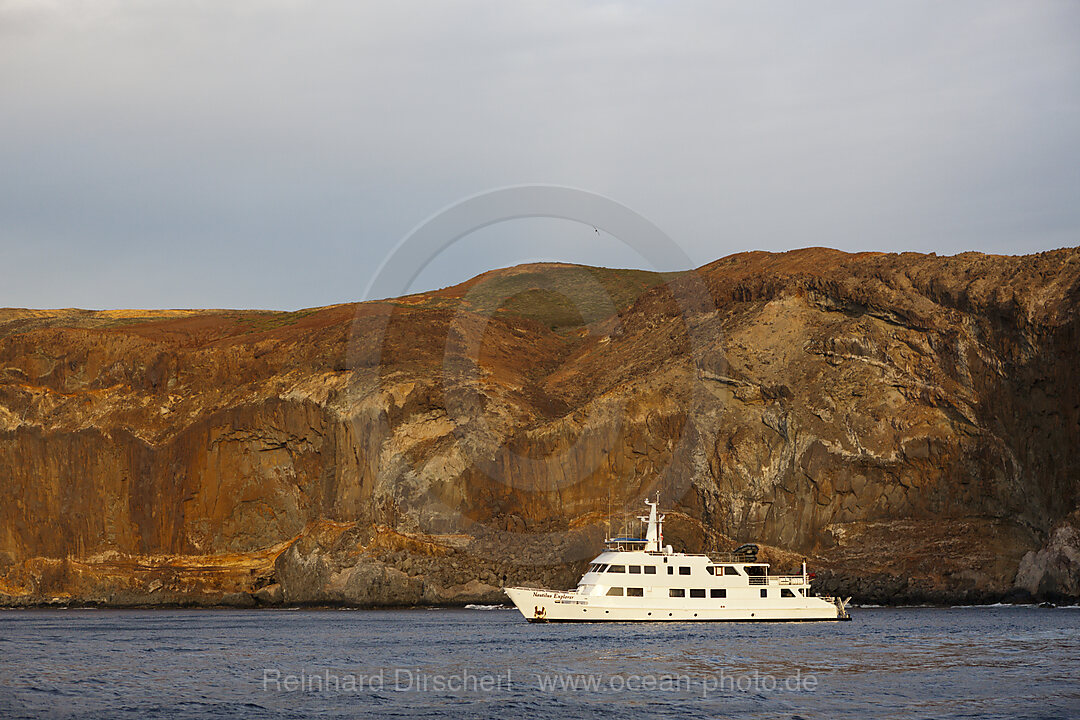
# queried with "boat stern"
point(841, 607)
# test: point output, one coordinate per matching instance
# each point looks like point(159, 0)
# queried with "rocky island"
point(908, 424)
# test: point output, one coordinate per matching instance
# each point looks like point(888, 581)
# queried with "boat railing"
point(776, 579)
point(731, 558)
point(788, 579)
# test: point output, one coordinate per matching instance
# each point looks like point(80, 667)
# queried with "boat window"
point(730, 570)
point(786, 593)
point(697, 593)
point(802, 591)
point(650, 569)
point(600, 567)
point(670, 570)
point(614, 591)
point(764, 592)
point(635, 592)
point(634, 569)
point(710, 569)
point(684, 571)
point(676, 592)
point(718, 593)
point(616, 568)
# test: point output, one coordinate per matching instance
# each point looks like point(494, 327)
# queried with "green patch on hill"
point(562, 297)
point(264, 321)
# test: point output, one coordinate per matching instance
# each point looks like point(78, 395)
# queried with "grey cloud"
point(271, 154)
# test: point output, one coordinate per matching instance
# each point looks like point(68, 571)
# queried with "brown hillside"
point(909, 423)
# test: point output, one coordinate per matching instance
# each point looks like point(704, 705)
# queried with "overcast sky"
point(270, 154)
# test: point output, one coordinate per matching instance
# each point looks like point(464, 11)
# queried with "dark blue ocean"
point(984, 662)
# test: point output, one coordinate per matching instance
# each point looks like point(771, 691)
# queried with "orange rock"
point(911, 423)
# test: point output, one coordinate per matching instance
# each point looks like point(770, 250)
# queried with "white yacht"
point(641, 580)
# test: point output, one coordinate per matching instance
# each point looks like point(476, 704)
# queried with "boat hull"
point(541, 605)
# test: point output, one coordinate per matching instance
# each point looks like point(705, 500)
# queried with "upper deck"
point(666, 569)
point(638, 563)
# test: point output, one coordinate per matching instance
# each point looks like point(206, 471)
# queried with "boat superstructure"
point(641, 579)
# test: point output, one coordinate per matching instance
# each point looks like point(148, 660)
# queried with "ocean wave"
point(487, 607)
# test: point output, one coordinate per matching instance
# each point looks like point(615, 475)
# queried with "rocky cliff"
point(909, 424)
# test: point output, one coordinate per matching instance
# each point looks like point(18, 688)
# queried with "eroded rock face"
point(909, 424)
point(1053, 573)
